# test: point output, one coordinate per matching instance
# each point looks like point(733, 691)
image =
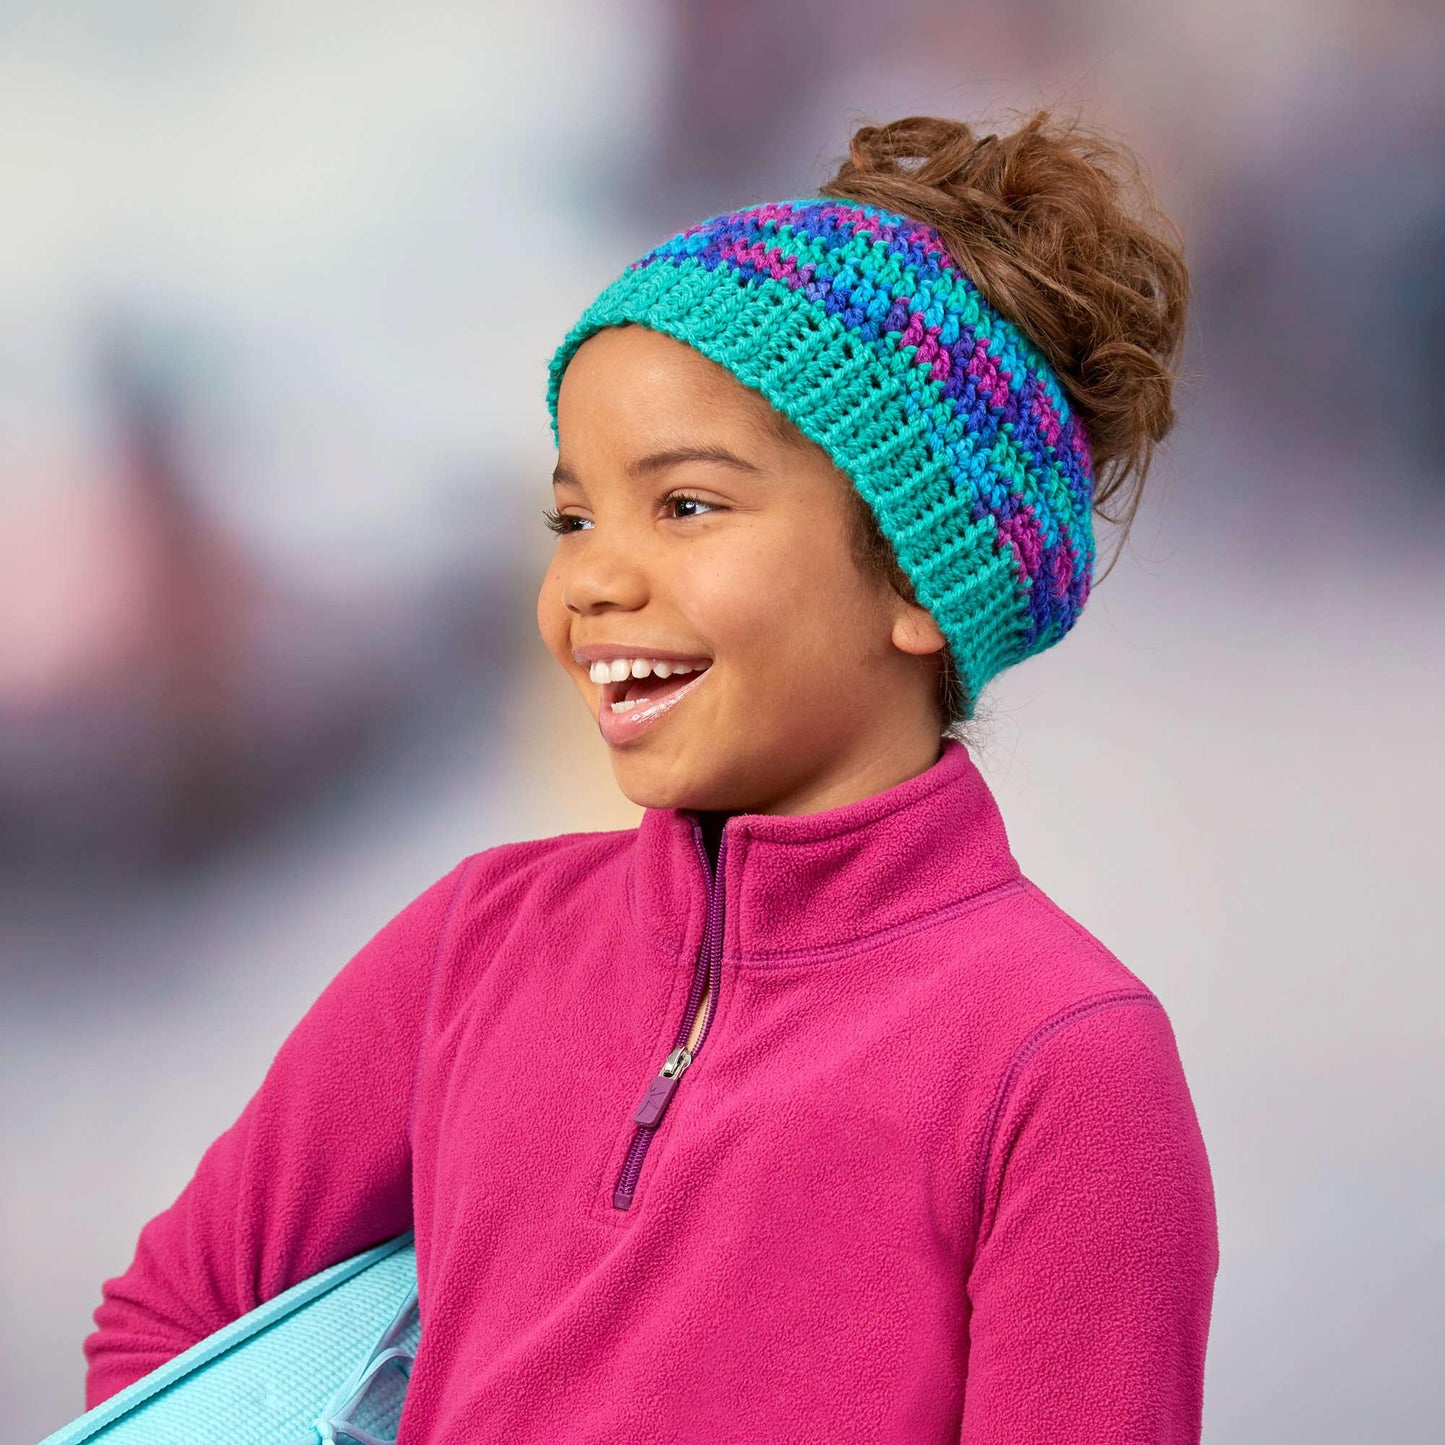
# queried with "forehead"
point(632, 377)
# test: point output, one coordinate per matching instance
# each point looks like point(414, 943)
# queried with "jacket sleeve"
point(316, 1168)
point(1093, 1278)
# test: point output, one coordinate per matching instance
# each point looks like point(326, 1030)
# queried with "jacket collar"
point(797, 884)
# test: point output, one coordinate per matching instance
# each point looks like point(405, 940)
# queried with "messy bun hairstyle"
point(1058, 230)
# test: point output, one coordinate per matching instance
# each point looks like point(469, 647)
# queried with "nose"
point(602, 573)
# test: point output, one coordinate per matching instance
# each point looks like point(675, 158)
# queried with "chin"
point(656, 779)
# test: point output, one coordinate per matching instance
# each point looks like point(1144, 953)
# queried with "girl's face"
point(820, 681)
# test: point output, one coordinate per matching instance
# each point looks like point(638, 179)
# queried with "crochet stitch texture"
point(856, 324)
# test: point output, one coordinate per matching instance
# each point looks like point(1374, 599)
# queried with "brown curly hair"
point(1059, 231)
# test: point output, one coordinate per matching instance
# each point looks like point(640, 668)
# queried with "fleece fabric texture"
point(934, 1174)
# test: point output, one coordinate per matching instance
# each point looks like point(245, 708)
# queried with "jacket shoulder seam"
point(1037, 1038)
point(1096, 944)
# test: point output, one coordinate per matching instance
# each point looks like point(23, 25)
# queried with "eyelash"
point(557, 521)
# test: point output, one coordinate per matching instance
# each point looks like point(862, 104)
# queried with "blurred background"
point(278, 285)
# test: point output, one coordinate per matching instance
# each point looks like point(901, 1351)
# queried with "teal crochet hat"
point(857, 325)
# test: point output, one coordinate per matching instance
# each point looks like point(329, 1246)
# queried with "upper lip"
point(610, 651)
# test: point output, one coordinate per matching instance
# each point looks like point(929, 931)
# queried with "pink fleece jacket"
point(933, 1174)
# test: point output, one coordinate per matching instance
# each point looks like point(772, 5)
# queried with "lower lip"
point(621, 728)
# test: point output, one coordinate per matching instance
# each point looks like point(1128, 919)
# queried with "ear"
point(914, 629)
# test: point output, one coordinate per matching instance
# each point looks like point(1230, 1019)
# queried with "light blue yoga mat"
point(327, 1361)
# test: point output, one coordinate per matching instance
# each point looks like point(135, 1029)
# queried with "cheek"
point(775, 609)
point(734, 592)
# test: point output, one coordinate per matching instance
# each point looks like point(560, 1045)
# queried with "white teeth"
point(625, 667)
point(625, 706)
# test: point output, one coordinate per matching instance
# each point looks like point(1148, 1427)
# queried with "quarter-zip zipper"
point(660, 1089)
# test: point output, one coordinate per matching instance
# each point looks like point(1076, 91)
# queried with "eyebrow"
point(672, 457)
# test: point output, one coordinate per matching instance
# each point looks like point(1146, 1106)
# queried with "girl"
point(797, 1112)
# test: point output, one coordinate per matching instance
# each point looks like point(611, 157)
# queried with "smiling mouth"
point(641, 690)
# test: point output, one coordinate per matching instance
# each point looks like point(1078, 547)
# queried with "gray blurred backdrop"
point(279, 284)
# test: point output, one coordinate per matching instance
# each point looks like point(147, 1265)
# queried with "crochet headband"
point(856, 324)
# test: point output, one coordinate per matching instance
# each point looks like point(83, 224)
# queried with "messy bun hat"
point(857, 325)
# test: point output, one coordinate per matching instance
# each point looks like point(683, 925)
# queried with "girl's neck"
point(712, 826)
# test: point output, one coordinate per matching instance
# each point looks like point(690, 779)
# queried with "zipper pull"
point(659, 1090)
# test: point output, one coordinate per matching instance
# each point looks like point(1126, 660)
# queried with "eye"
point(674, 498)
point(561, 522)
